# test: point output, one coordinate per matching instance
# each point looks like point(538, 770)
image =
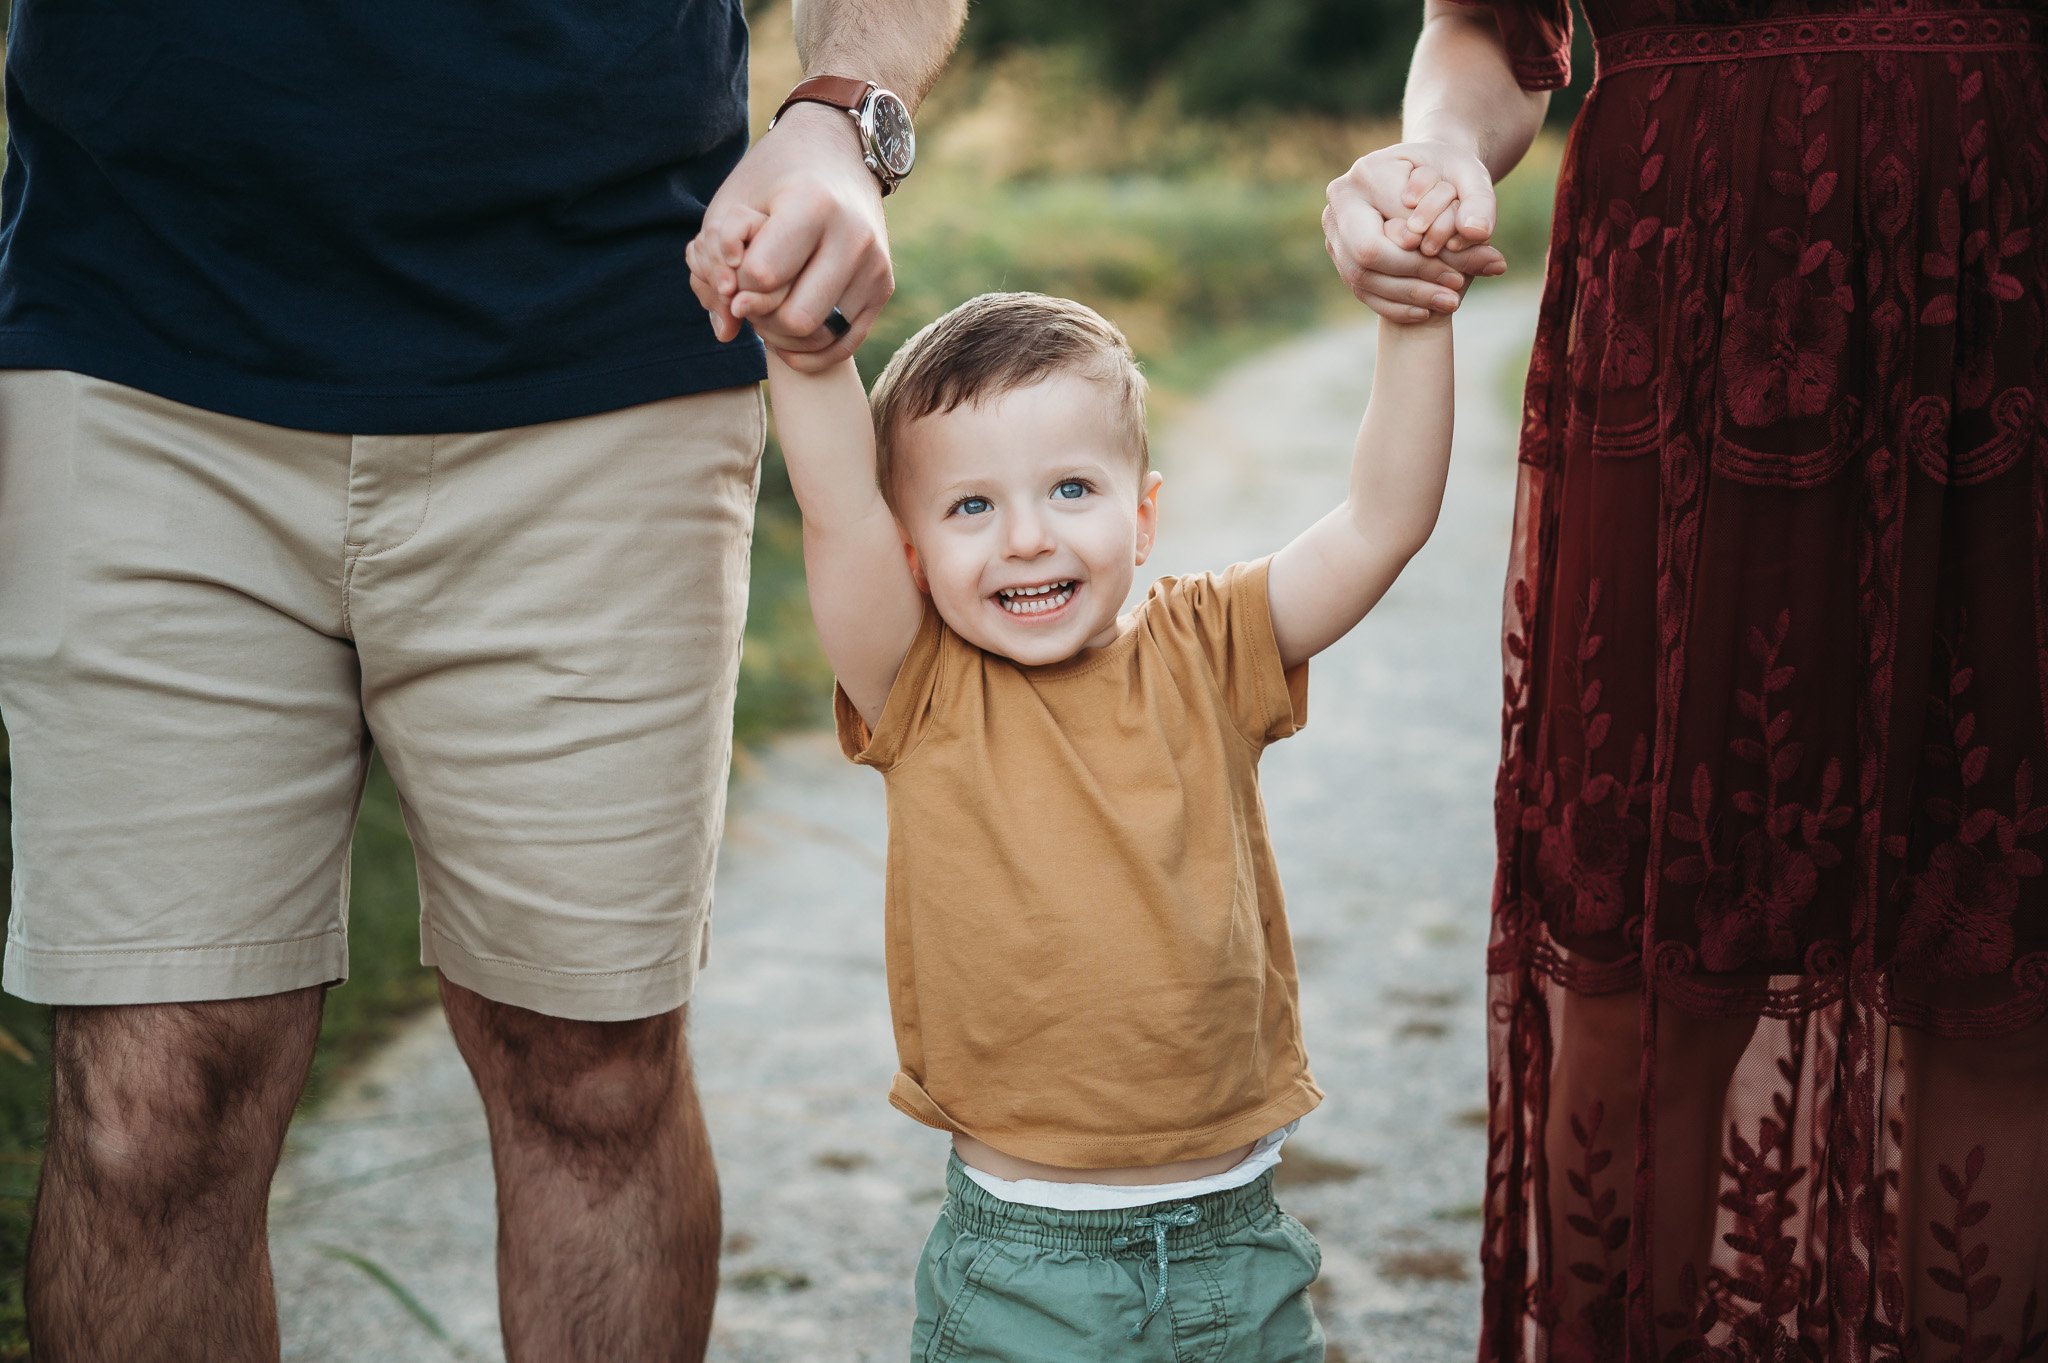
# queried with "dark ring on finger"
point(836, 323)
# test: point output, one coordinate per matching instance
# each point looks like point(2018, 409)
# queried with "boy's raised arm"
point(1324, 582)
point(865, 604)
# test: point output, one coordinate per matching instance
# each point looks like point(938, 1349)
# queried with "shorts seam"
point(32, 949)
point(348, 580)
point(550, 970)
point(426, 507)
point(1219, 1306)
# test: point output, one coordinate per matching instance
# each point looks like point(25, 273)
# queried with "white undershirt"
point(1098, 1197)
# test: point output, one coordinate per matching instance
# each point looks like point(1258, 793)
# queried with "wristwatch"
point(888, 144)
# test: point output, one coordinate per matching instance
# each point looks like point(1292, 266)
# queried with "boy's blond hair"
point(993, 344)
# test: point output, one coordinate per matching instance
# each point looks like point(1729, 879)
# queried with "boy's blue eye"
point(1071, 489)
point(971, 506)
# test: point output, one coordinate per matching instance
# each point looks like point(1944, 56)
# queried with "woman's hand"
point(1407, 227)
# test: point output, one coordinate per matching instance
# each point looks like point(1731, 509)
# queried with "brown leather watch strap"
point(841, 92)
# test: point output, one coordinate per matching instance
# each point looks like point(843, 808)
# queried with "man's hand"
point(1407, 228)
point(797, 228)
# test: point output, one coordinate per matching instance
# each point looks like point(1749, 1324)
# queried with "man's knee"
point(601, 1093)
point(157, 1103)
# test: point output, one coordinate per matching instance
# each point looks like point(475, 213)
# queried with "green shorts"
point(1005, 1283)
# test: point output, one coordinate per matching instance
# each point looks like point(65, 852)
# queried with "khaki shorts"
point(206, 623)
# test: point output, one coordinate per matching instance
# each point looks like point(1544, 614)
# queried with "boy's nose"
point(1029, 536)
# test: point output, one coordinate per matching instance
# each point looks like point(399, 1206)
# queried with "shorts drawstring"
point(1187, 1214)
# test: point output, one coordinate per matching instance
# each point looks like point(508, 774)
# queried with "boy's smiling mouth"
point(1045, 598)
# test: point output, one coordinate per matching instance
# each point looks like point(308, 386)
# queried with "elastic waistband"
point(1976, 30)
point(973, 1208)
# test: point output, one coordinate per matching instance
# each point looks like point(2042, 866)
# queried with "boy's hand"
point(800, 220)
point(1392, 204)
point(1450, 290)
point(718, 276)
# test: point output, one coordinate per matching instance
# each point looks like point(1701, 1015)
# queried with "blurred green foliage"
point(1223, 57)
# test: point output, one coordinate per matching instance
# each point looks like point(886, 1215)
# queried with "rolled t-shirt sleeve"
point(1226, 621)
point(1538, 34)
point(906, 713)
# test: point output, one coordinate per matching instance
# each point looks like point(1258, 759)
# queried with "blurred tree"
point(1345, 57)
point(1323, 56)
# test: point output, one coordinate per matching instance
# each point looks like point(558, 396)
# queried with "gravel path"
point(1381, 812)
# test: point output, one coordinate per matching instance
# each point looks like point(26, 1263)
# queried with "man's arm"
point(900, 44)
point(865, 604)
point(825, 243)
point(1335, 571)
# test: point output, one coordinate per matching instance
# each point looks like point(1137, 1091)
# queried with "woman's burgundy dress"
point(1769, 964)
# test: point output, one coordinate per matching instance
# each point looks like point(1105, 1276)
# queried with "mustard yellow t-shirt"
point(1088, 956)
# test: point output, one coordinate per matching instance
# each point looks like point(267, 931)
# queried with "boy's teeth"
point(1034, 600)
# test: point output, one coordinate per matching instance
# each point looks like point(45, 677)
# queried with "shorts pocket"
point(38, 510)
point(947, 1286)
point(1304, 1242)
point(1273, 1318)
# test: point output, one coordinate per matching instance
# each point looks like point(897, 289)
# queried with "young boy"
point(1089, 968)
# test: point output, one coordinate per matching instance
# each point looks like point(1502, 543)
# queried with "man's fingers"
point(798, 326)
point(749, 304)
point(826, 282)
point(832, 349)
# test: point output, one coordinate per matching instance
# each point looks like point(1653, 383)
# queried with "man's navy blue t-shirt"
point(370, 216)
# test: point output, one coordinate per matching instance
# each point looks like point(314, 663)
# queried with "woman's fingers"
point(1402, 291)
point(1476, 209)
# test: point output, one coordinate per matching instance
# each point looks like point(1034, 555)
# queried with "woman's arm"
point(1467, 121)
point(1462, 94)
point(863, 600)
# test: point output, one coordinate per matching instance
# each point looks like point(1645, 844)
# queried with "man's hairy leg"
point(166, 1122)
point(608, 1216)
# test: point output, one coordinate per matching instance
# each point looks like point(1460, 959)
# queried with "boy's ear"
point(916, 568)
point(1148, 514)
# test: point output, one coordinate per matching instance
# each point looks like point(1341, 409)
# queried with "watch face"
point(895, 143)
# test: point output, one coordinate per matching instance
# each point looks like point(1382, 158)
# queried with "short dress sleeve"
point(1539, 39)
